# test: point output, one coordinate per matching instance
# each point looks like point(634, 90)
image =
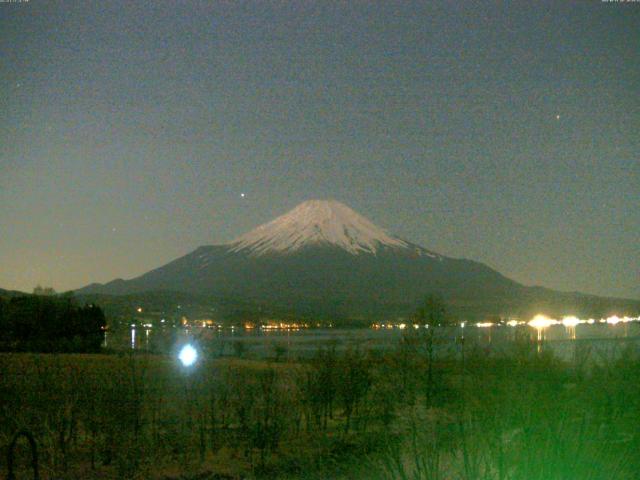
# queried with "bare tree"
point(431, 313)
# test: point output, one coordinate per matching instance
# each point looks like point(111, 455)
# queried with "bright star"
point(242, 195)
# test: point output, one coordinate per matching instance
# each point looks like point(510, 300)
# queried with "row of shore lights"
point(542, 321)
point(539, 321)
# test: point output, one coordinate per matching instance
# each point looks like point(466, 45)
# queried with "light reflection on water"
point(599, 338)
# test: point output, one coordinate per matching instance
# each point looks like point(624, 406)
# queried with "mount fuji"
point(322, 259)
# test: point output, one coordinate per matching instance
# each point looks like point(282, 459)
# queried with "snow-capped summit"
point(323, 222)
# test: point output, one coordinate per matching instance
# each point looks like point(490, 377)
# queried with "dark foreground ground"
point(520, 414)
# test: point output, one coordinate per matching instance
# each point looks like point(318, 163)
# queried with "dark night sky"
point(509, 135)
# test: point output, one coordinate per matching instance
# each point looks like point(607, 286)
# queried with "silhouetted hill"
point(11, 293)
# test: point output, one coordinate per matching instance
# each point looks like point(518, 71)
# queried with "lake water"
point(599, 340)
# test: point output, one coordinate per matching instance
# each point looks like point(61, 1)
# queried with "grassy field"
point(521, 415)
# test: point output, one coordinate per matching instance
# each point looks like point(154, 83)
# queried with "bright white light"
point(571, 321)
point(188, 355)
point(542, 321)
point(613, 320)
point(484, 324)
point(512, 323)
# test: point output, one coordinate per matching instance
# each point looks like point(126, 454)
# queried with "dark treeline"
point(41, 323)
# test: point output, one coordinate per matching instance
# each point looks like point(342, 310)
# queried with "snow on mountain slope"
point(317, 222)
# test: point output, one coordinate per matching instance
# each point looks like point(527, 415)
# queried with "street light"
point(188, 355)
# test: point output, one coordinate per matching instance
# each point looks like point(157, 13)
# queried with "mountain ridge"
point(322, 257)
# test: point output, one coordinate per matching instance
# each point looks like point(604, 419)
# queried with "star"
point(557, 117)
point(242, 195)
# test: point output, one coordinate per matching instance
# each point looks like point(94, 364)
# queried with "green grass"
point(526, 418)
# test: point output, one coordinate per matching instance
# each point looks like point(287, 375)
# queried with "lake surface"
point(597, 341)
